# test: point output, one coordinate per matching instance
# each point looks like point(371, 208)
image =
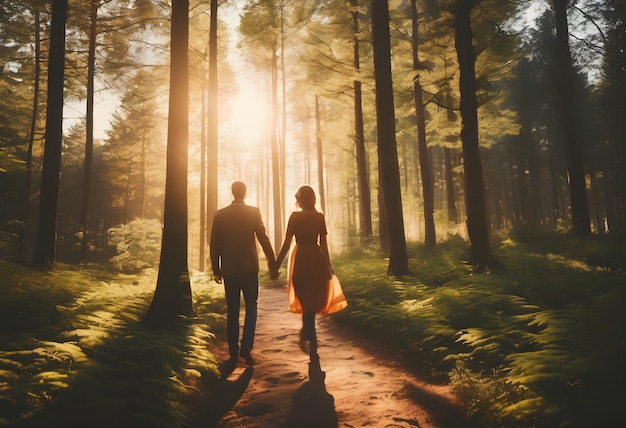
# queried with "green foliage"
point(536, 342)
point(73, 351)
point(137, 244)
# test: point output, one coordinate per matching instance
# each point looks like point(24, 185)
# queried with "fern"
point(538, 341)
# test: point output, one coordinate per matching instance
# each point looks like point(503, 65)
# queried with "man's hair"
point(238, 189)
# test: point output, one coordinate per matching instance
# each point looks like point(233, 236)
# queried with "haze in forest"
point(286, 76)
point(467, 155)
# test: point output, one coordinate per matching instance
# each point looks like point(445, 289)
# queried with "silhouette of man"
point(234, 258)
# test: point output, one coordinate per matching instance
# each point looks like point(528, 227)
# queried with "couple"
point(313, 288)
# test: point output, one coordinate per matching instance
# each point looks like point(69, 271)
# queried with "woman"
point(313, 288)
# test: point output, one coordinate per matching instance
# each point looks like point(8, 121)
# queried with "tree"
point(44, 253)
point(427, 181)
point(134, 172)
point(387, 146)
point(565, 85)
point(363, 186)
point(212, 122)
point(613, 104)
point(172, 297)
point(477, 227)
point(31, 137)
point(320, 157)
point(330, 66)
point(91, 63)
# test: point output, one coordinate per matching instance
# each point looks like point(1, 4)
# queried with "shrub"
point(137, 245)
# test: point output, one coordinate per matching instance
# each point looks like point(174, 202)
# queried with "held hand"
point(217, 279)
point(274, 272)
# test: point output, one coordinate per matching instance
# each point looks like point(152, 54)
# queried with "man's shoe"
point(245, 354)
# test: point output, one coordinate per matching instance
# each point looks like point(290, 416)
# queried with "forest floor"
point(365, 383)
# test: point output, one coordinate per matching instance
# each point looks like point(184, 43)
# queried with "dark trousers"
point(248, 284)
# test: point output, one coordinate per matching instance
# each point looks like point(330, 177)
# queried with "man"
point(234, 259)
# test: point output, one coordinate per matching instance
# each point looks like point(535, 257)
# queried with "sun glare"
point(250, 117)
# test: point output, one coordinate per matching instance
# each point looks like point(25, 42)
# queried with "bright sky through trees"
point(249, 116)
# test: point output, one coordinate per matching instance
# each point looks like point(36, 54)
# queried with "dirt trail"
point(360, 388)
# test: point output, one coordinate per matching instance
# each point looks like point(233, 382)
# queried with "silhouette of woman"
point(313, 287)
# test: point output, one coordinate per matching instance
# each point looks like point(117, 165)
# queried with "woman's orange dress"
point(312, 286)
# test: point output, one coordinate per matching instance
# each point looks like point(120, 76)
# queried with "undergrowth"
point(537, 342)
point(73, 351)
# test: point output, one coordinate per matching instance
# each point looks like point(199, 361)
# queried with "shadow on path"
point(441, 412)
point(229, 391)
point(313, 406)
point(369, 386)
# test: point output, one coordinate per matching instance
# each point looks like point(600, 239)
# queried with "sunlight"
point(250, 116)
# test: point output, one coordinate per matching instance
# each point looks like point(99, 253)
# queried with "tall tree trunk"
point(428, 189)
point(283, 134)
point(320, 159)
point(202, 244)
point(172, 297)
point(387, 146)
point(45, 245)
point(383, 234)
point(212, 120)
point(276, 175)
point(450, 157)
point(450, 188)
point(477, 227)
point(363, 186)
point(307, 159)
point(129, 175)
point(524, 198)
point(143, 180)
point(24, 230)
point(565, 84)
point(91, 65)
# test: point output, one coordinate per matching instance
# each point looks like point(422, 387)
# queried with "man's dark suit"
point(234, 257)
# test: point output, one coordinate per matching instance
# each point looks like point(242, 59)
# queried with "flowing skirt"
point(313, 291)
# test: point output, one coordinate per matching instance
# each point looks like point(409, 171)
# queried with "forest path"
point(362, 387)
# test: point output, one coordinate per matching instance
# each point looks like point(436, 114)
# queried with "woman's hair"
point(305, 196)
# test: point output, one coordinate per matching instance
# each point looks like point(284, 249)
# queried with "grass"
point(74, 352)
point(539, 341)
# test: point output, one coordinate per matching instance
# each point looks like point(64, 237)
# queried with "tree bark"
point(565, 84)
point(203, 188)
point(363, 187)
point(172, 297)
point(428, 190)
point(45, 246)
point(212, 124)
point(320, 157)
point(282, 136)
point(387, 146)
point(276, 175)
point(24, 230)
point(450, 188)
point(477, 227)
point(91, 65)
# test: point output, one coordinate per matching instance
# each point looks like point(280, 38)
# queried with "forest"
point(468, 156)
